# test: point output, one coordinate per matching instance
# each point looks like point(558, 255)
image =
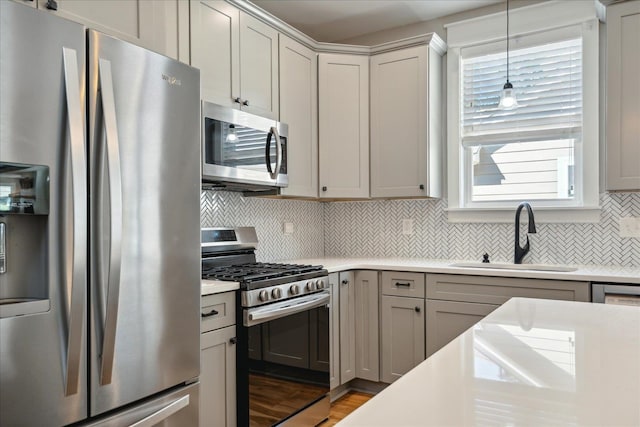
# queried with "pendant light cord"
point(507, 41)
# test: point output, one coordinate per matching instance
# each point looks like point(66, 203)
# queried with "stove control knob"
point(276, 293)
point(319, 284)
point(263, 296)
point(310, 286)
point(294, 289)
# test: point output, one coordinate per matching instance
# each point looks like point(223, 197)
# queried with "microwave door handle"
point(276, 135)
point(115, 204)
point(79, 195)
point(267, 155)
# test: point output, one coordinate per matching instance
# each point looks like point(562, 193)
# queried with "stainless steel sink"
point(505, 266)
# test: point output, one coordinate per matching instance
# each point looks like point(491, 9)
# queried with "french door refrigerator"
point(99, 228)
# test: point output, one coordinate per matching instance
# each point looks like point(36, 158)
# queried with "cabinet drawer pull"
point(245, 102)
point(417, 309)
point(233, 340)
point(405, 284)
point(211, 313)
point(52, 5)
point(237, 100)
point(345, 282)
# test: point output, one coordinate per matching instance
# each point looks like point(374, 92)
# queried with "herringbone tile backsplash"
point(373, 229)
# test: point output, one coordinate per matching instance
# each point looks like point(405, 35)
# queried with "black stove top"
point(262, 274)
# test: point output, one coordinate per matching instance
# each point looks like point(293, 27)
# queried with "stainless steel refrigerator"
point(99, 228)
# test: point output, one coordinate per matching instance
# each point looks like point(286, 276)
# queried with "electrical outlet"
point(288, 228)
point(407, 227)
point(629, 227)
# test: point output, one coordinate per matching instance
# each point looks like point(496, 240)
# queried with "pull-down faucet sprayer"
point(520, 252)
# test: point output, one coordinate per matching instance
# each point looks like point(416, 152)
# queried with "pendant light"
point(508, 96)
point(231, 135)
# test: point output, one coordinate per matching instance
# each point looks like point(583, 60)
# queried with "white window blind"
point(529, 152)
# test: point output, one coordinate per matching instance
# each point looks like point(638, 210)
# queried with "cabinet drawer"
point(403, 284)
point(218, 311)
point(497, 290)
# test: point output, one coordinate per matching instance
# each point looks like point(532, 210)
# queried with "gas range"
point(229, 255)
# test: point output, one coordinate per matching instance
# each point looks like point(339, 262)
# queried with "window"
point(539, 151)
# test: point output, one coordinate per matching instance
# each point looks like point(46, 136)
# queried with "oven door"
point(287, 361)
point(243, 148)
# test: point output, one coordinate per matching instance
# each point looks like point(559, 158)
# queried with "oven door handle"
point(264, 314)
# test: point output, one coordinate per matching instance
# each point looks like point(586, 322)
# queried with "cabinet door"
point(448, 319)
point(334, 330)
point(402, 336)
point(343, 96)
point(215, 50)
point(367, 325)
point(299, 109)
point(347, 328)
point(152, 24)
point(218, 378)
point(399, 123)
point(623, 96)
point(258, 67)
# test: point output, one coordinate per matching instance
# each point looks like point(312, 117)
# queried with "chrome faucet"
point(520, 252)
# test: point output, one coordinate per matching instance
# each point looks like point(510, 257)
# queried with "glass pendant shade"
point(232, 136)
point(508, 97)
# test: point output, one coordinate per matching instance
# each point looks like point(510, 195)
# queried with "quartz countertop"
point(592, 273)
point(530, 362)
point(209, 287)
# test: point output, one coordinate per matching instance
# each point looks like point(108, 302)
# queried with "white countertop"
point(592, 273)
point(530, 362)
point(209, 287)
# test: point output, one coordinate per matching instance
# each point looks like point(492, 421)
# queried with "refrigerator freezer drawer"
point(176, 408)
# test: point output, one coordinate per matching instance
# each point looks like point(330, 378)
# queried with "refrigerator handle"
point(163, 413)
point(115, 207)
point(79, 193)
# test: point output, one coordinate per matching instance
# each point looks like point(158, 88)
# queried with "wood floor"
point(344, 406)
point(272, 398)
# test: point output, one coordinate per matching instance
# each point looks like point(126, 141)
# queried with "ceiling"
point(337, 20)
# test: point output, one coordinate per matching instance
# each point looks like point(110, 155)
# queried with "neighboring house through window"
point(545, 150)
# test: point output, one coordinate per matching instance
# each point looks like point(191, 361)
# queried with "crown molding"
point(432, 39)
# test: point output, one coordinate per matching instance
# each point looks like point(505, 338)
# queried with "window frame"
point(527, 21)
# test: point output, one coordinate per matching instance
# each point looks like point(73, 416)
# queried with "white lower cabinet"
point(347, 328)
point(402, 336)
point(367, 325)
point(218, 361)
point(402, 323)
point(448, 319)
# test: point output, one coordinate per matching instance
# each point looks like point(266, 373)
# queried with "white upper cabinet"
point(237, 56)
point(406, 123)
point(215, 49)
point(259, 91)
point(623, 96)
point(299, 109)
point(152, 24)
point(343, 82)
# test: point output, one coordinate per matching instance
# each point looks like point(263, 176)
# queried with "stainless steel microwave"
point(242, 151)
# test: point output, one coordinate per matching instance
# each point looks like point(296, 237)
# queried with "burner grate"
point(256, 271)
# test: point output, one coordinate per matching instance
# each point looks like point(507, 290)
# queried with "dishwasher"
point(616, 293)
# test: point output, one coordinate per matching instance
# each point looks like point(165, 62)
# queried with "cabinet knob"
point(237, 100)
point(245, 102)
point(233, 340)
point(345, 282)
point(417, 309)
point(422, 186)
point(324, 188)
point(52, 5)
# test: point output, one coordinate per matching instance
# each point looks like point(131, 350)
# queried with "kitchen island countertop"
point(530, 362)
point(591, 273)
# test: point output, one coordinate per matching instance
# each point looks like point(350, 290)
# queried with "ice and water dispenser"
point(24, 214)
